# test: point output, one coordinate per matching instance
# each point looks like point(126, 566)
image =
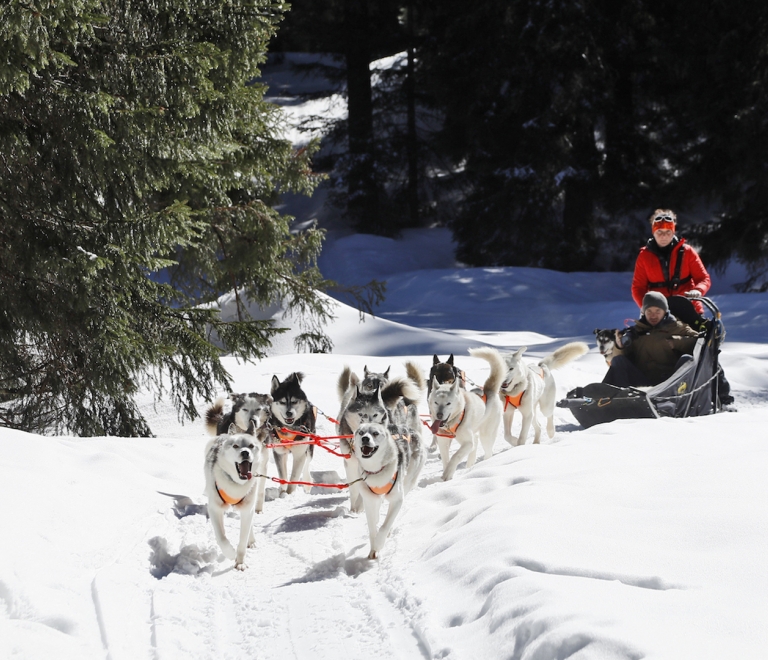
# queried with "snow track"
point(309, 590)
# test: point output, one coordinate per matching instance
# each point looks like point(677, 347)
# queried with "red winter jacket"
point(655, 271)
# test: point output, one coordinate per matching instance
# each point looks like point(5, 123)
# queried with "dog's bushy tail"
point(399, 387)
point(416, 376)
point(564, 355)
point(498, 369)
point(213, 416)
point(347, 379)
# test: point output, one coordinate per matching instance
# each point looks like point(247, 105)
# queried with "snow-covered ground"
point(633, 539)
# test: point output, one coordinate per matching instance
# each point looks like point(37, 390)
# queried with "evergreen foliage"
point(140, 166)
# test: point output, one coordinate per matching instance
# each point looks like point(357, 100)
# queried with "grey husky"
point(375, 399)
point(292, 415)
point(245, 407)
point(230, 460)
point(390, 458)
point(466, 416)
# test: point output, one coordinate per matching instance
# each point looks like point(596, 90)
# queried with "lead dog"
point(230, 482)
point(376, 400)
point(249, 414)
point(527, 387)
point(390, 458)
point(291, 416)
point(465, 416)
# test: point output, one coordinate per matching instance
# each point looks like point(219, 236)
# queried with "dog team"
point(380, 434)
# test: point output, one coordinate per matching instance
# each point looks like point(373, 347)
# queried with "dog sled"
point(690, 392)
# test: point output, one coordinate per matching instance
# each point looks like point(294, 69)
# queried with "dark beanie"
point(655, 299)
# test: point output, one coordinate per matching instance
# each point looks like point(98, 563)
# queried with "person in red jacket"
point(668, 265)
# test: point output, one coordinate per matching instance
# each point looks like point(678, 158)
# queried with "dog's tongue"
point(435, 426)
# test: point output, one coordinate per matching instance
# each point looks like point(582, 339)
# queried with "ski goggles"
point(663, 222)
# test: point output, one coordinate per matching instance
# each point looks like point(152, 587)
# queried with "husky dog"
point(230, 482)
point(444, 372)
point(465, 416)
point(291, 413)
point(245, 407)
point(390, 458)
point(389, 401)
point(606, 343)
point(527, 386)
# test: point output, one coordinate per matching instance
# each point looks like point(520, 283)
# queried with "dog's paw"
point(240, 565)
point(373, 554)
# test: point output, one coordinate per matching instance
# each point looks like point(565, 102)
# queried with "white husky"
point(527, 386)
point(390, 458)
point(466, 416)
point(230, 481)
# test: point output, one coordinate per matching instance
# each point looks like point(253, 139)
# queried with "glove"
point(693, 293)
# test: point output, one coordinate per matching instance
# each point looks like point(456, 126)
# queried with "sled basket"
point(691, 391)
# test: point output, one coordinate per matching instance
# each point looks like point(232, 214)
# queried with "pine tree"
point(140, 167)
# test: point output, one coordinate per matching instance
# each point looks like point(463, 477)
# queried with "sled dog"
point(230, 459)
point(387, 402)
point(606, 343)
point(390, 459)
point(444, 372)
point(291, 415)
point(527, 386)
point(466, 416)
point(245, 407)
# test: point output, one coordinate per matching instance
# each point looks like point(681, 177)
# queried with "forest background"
point(143, 167)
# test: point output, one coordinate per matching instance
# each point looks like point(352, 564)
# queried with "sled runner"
point(691, 391)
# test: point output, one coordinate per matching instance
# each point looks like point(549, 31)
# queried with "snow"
point(633, 539)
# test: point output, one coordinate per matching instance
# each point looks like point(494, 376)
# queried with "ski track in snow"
point(309, 590)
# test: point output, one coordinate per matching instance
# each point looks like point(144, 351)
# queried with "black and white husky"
point(390, 458)
point(230, 462)
point(375, 399)
point(292, 414)
point(527, 387)
point(606, 343)
point(245, 407)
point(465, 416)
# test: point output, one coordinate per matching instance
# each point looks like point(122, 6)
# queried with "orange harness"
point(284, 437)
point(450, 432)
point(387, 487)
point(513, 400)
point(226, 498)
point(517, 399)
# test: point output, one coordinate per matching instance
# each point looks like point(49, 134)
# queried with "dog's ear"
point(450, 359)
point(252, 427)
point(435, 360)
point(232, 430)
point(298, 376)
point(435, 382)
point(275, 383)
point(597, 331)
point(519, 351)
point(386, 373)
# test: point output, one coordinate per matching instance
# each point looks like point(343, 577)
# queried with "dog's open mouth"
point(289, 421)
point(368, 450)
point(244, 470)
